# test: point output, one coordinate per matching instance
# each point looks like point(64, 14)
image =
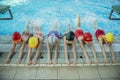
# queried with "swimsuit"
point(39, 35)
point(26, 36)
point(78, 33)
point(70, 36)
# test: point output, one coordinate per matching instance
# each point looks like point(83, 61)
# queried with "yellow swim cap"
point(109, 37)
point(33, 42)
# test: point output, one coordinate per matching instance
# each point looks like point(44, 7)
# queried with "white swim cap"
point(51, 39)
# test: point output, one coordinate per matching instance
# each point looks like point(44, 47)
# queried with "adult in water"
point(16, 38)
point(35, 42)
point(105, 39)
point(25, 36)
point(69, 40)
point(52, 42)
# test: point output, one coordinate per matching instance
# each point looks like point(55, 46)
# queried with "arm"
point(10, 53)
point(29, 56)
point(84, 51)
point(74, 51)
point(48, 49)
point(94, 52)
point(56, 51)
point(103, 50)
point(113, 54)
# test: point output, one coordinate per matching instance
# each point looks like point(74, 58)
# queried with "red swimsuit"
point(78, 33)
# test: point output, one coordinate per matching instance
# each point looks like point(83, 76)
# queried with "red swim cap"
point(87, 37)
point(99, 32)
point(78, 33)
point(16, 37)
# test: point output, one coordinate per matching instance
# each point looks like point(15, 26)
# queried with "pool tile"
point(4, 74)
point(111, 79)
point(2, 60)
point(108, 72)
point(7, 73)
point(68, 73)
point(47, 73)
point(88, 73)
point(43, 61)
point(61, 61)
point(25, 73)
point(3, 54)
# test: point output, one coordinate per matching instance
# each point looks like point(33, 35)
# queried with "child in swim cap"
point(52, 42)
point(16, 38)
point(25, 36)
point(85, 38)
point(69, 39)
point(35, 42)
point(105, 39)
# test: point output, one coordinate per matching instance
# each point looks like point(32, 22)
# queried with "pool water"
point(47, 12)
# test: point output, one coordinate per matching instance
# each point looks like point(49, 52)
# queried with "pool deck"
point(42, 70)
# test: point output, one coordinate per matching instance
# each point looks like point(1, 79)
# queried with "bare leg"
point(10, 54)
point(113, 54)
point(84, 52)
point(29, 56)
point(37, 53)
point(103, 51)
point(21, 53)
point(94, 53)
point(48, 49)
point(66, 52)
point(74, 52)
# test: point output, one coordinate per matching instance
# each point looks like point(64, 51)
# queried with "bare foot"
point(18, 61)
point(55, 61)
point(106, 61)
point(7, 61)
point(49, 62)
point(88, 61)
point(115, 61)
point(34, 61)
point(74, 62)
point(96, 61)
point(67, 62)
point(28, 62)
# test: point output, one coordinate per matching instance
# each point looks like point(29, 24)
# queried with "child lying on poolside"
point(105, 39)
point(35, 42)
point(85, 38)
point(69, 40)
point(53, 42)
point(17, 38)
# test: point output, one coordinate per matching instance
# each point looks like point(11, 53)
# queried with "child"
point(25, 36)
point(85, 38)
point(105, 39)
point(35, 42)
point(53, 42)
point(69, 39)
point(16, 38)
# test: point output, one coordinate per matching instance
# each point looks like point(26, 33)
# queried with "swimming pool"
point(65, 11)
